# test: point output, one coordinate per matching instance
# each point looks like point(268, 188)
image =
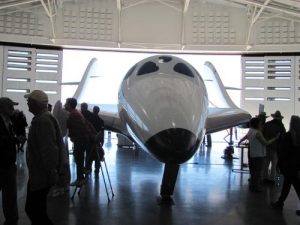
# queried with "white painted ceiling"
point(280, 8)
point(256, 9)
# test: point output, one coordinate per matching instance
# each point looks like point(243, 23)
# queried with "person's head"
point(295, 129)
point(37, 101)
point(96, 109)
point(70, 104)
point(277, 115)
point(262, 116)
point(7, 106)
point(84, 107)
point(295, 123)
point(255, 123)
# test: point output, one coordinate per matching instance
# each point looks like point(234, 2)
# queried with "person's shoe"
point(298, 212)
point(277, 205)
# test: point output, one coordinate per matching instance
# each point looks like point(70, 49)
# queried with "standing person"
point(270, 129)
point(86, 112)
point(8, 170)
point(262, 116)
point(98, 124)
point(257, 152)
point(80, 135)
point(42, 156)
point(289, 162)
point(62, 186)
point(19, 124)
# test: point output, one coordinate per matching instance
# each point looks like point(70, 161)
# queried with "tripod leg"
point(104, 183)
point(108, 178)
point(74, 192)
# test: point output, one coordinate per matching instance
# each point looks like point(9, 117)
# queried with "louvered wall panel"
point(26, 69)
point(253, 84)
point(1, 69)
point(271, 84)
point(297, 85)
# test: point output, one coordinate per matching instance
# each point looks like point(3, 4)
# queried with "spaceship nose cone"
point(175, 145)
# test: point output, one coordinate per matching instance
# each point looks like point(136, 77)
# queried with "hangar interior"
point(33, 34)
point(265, 33)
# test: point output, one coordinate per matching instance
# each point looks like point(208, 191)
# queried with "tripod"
point(98, 152)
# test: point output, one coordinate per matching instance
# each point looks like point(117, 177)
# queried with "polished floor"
point(207, 192)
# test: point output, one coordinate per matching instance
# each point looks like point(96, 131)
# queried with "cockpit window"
point(148, 67)
point(183, 69)
point(130, 72)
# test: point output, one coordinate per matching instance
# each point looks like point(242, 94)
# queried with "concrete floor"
point(207, 192)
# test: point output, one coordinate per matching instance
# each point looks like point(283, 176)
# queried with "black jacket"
point(288, 155)
point(7, 146)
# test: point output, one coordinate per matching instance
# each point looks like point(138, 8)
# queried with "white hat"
point(38, 96)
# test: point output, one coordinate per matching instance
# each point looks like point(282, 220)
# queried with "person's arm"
point(264, 141)
point(243, 139)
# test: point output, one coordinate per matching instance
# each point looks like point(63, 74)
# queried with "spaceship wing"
point(223, 118)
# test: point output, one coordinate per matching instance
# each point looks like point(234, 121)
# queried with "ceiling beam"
point(119, 8)
point(260, 11)
point(4, 6)
point(270, 7)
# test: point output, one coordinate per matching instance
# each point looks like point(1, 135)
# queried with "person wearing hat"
point(42, 156)
point(262, 116)
point(272, 128)
point(8, 181)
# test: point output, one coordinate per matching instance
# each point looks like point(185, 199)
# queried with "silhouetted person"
point(80, 135)
point(262, 116)
point(85, 111)
point(8, 183)
point(62, 186)
point(97, 151)
point(271, 129)
point(42, 157)
point(257, 152)
point(19, 123)
point(289, 161)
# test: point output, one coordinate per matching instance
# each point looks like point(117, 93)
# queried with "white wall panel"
point(277, 78)
point(1, 69)
point(297, 85)
point(26, 69)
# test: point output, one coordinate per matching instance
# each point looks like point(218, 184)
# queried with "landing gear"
point(229, 150)
point(168, 184)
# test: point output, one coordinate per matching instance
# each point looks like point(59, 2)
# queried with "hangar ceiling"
point(289, 9)
point(255, 10)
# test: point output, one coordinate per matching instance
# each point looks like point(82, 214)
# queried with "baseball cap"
point(38, 96)
point(7, 101)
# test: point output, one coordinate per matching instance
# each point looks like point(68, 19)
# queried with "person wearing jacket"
point(289, 162)
point(8, 170)
point(42, 157)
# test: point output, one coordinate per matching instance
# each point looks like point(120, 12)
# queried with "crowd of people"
point(47, 153)
point(274, 152)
